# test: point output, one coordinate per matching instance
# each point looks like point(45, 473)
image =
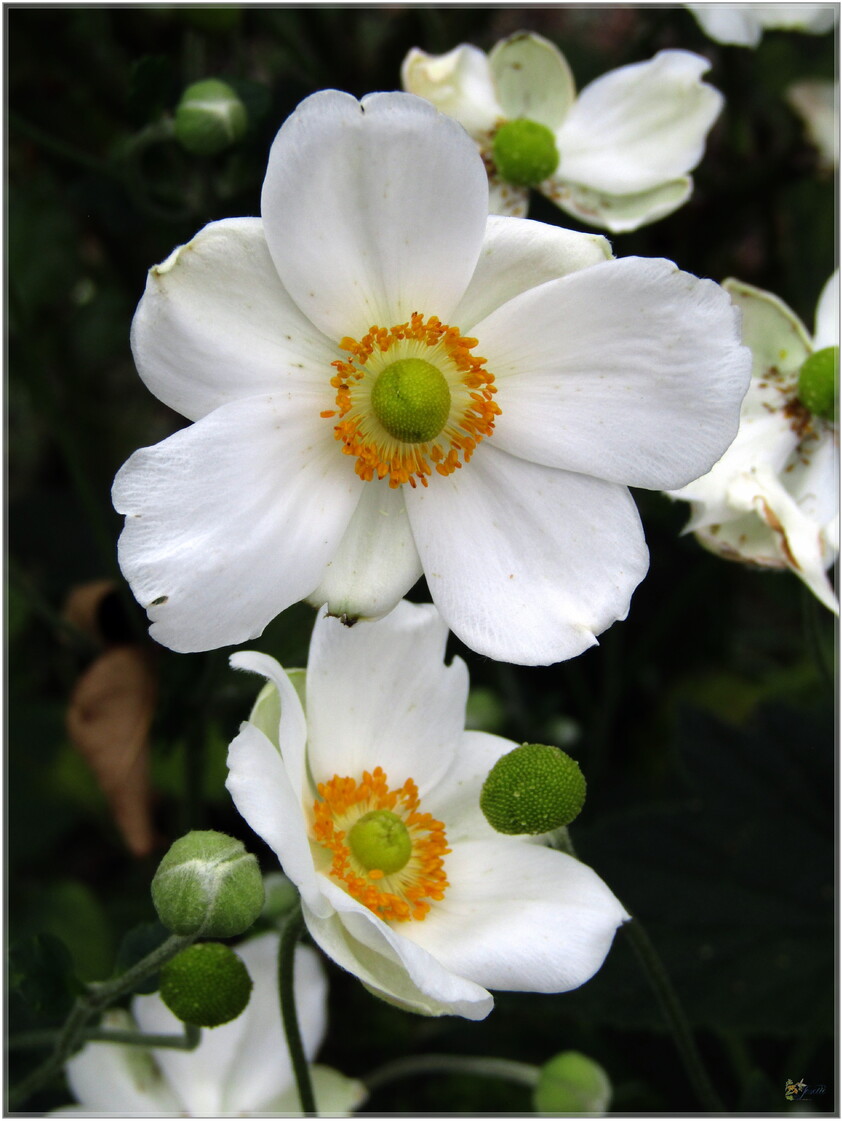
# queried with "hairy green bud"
point(208, 884)
point(533, 789)
point(572, 1083)
point(206, 985)
point(209, 118)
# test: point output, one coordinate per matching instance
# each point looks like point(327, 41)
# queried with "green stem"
point(286, 990)
point(673, 1013)
point(35, 1040)
point(71, 1036)
point(524, 1074)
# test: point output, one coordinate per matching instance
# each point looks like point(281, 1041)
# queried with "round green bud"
point(572, 1083)
point(380, 840)
point(206, 985)
point(208, 884)
point(534, 789)
point(818, 383)
point(209, 118)
point(524, 152)
point(411, 399)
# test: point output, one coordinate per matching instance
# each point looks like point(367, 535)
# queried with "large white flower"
point(742, 25)
point(773, 498)
point(436, 907)
point(616, 156)
point(385, 381)
point(241, 1068)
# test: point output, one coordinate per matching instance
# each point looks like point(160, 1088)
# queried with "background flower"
point(563, 377)
point(623, 146)
point(469, 909)
point(239, 1069)
point(743, 24)
point(773, 498)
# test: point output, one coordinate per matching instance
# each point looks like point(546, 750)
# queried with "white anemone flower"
point(434, 908)
point(240, 1069)
point(386, 382)
point(615, 156)
point(773, 498)
point(742, 25)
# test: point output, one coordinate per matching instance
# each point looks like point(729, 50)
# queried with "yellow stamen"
point(472, 413)
point(399, 896)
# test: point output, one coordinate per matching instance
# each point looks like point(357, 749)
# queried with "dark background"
point(704, 724)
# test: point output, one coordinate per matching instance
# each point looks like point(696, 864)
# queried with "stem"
point(71, 1036)
point(673, 1013)
point(286, 990)
point(524, 1074)
point(189, 1041)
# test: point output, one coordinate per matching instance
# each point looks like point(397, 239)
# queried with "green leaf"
point(137, 943)
point(42, 981)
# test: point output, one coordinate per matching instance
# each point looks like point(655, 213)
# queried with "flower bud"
point(524, 152)
point(206, 985)
point(208, 884)
point(572, 1083)
point(818, 382)
point(534, 789)
point(209, 118)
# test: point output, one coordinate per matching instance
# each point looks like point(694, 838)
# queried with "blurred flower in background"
point(742, 25)
point(773, 498)
point(239, 1069)
point(817, 104)
point(615, 156)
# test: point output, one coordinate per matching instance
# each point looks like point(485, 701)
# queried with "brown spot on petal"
point(774, 523)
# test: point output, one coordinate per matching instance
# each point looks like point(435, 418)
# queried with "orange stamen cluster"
point(402, 895)
point(472, 387)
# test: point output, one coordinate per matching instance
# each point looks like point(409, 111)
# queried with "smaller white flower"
point(615, 156)
point(742, 25)
point(817, 104)
point(371, 801)
point(240, 1069)
point(773, 497)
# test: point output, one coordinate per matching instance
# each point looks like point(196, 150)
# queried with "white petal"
point(335, 1096)
point(519, 254)
point(532, 79)
point(455, 800)
point(263, 794)
point(816, 102)
point(233, 519)
point(506, 199)
point(827, 315)
point(113, 1078)
point(776, 336)
point(736, 24)
point(376, 562)
point(527, 564)
point(215, 325)
point(262, 1068)
point(618, 213)
point(373, 210)
point(379, 694)
point(519, 916)
point(391, 965)
point(640, 126)
point(630, 371)
point(290, 733)
point(458, 83)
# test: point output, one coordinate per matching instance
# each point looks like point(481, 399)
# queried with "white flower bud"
point(208, 884)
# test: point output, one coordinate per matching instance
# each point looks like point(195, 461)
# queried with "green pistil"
point(818, 383)
point(411, 399)
point(380, 840)
point(525, 153)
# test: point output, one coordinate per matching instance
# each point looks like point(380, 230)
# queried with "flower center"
point(411, 398)
point(374, 843)
point(818, 382)
point(524, 152)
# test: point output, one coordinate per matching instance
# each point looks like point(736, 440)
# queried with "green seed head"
point(209, 118)
point(208, 884)
point(411, 399)
point(572, 1083)
point(534, 789)
point(524, 152)
point(206, 985)
point(818, 383)
point(380, 840)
